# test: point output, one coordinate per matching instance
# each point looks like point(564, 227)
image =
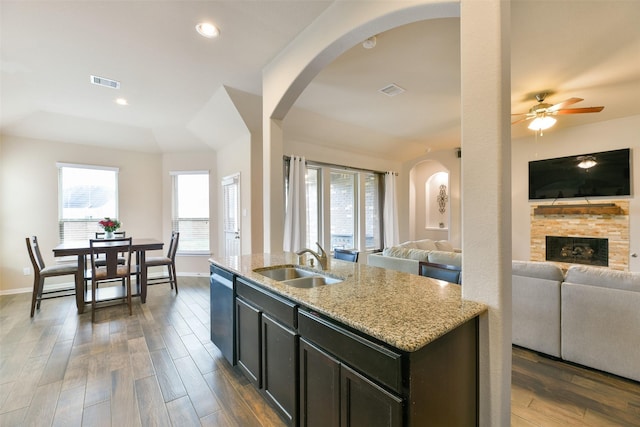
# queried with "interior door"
point(231, 216)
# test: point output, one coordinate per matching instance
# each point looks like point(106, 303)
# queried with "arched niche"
point(430, 210)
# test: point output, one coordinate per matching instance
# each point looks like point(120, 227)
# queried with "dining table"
point(81, 249)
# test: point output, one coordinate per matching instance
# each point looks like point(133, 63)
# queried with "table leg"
point(143, 277)
point(80, 285)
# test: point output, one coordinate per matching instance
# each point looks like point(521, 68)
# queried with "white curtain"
point(390, 211)
point(295, 220)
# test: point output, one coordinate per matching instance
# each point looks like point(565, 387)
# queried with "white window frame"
point(175, 221)
point(324, 203)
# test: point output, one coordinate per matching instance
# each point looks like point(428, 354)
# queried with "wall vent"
point(101, 81)
point(392, 90)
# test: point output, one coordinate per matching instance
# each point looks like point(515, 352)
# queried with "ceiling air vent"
point(101, 81)
point(392, 90)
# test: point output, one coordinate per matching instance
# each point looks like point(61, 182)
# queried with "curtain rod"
point(334, 166)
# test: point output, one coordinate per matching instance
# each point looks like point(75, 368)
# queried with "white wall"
point(29, 198)
point(601, 136)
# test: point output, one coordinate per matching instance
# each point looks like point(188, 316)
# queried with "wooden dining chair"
point(169, 261)
point(100, 261)
point(346, 254)
point(41, 272)
point(448, 273)
point(109, 251)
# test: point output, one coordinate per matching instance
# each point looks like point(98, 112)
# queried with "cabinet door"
point(248, 341)
point(319, 387)
point(279, 367)
point(366, 404)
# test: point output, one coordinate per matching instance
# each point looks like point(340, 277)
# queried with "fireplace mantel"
point(581, 209)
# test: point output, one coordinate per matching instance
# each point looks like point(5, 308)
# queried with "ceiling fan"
point(542, 112)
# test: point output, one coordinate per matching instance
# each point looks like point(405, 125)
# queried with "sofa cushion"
point(444, 245)
point(537, 270)
point(408, 245)
point(396, 252)
point(418, 254)
point(603, 277)
point(448, 258)
point(426, 244)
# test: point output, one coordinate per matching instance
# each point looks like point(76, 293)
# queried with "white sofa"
point(589, 316)
point(536, 306)
point(406, 256)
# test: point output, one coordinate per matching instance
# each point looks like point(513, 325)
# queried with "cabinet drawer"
point(377, 362)
point(277, 307)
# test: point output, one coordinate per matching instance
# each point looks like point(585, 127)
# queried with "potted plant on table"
point(109, 225)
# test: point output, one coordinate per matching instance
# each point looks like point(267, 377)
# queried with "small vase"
point(108, 235)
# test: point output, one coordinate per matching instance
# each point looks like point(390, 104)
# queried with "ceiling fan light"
point(542, 123)
point(208, 30)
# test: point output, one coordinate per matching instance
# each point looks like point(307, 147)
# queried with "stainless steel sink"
point(284, 273)
point(297, 276)
point(311, 281)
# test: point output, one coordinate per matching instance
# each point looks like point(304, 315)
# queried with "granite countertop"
point(404, 310)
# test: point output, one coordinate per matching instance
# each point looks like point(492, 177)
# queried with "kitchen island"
point(380, 347)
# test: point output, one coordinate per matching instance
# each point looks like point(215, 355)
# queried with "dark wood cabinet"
point(267, 346)
point(363, 403)
point(280, 367)
point(332, 393)
point(319, 387)
point(248, 348)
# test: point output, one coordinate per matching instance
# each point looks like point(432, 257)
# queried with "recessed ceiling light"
point(208, 30)
point(122, 101)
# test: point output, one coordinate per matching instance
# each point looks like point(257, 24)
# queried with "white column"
point(486, 194)
point(273, 185)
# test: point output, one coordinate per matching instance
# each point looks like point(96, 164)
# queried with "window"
point(343, 207)
point(86, 194)
point(372, 209)
point(313, 193)
point(191, 211)
point(343, 213)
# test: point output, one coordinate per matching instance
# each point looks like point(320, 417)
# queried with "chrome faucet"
point(321, 256)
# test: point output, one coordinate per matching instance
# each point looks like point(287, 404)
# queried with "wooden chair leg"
point(93, 300)
point(40, 290)
point(129, 294)
point(34, 295)
point(174, 277)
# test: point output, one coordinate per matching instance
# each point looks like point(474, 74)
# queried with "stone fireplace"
point(578, 250)
point(585, 223)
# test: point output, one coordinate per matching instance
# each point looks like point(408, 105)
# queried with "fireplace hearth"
point(578, 250)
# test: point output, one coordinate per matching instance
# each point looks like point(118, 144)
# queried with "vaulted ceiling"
point(170, 75)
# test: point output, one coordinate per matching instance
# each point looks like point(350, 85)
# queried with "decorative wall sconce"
point(442, 199)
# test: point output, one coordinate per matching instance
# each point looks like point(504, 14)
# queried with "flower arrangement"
point(109, 224)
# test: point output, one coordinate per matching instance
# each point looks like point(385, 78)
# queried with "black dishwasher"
point(222, 312)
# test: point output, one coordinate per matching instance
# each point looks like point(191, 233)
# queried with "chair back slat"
point(116, 234)
point(109, 251)
point(173, 245)
point(34, 253)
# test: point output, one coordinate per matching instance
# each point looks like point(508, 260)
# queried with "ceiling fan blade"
point(518, 114)
point(563, 104)
point(520, 120)
point(580, 110)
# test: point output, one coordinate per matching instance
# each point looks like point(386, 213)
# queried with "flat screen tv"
point(567, 177)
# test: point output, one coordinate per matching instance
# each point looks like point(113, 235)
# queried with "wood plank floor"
point(159, 368)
